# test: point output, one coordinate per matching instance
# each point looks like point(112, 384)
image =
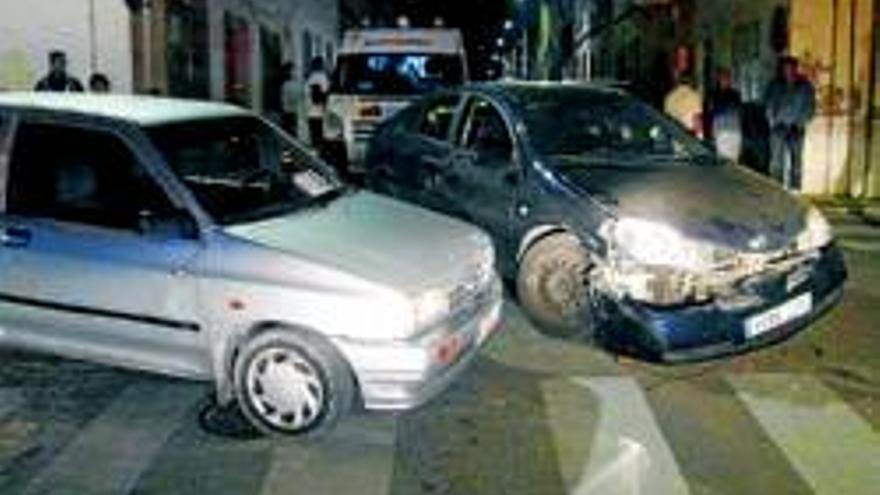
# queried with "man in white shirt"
point(317, 87)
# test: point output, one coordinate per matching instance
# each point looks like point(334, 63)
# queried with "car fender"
point(535, 234)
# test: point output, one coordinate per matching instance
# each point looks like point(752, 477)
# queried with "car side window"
point(5, 146)
point(485, 132)
point(437, 117)
point(82, 176)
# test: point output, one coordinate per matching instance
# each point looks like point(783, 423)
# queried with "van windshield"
point(396, 73)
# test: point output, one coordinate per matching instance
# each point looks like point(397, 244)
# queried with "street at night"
point(468, 247)
point(533, 416)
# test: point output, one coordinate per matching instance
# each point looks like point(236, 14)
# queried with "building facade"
point(836, 41)
point(230, 50)
point(95, 35)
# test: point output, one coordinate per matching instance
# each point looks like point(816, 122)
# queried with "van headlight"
point(656, 245)
point(334, 126)
point(431, 307)
point(817, 234)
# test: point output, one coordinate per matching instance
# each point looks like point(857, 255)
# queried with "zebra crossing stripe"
point(110, 454)
point(832, 448)
point(356, 458)
point(855, 245)
point(629, 454)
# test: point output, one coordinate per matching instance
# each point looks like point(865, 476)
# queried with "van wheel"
point(292, 383)
point(553, 286)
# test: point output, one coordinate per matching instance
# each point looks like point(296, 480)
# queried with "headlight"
point(334, 126)
point(818, 232)
point(431, 307)
point(652, 244)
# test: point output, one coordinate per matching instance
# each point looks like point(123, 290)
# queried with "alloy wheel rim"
point(286, 389)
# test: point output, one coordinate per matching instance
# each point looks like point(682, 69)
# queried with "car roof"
point(141, 110)
point(513, 90)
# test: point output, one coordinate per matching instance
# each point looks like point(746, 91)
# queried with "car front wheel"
point(553, 286)
point(291, 383)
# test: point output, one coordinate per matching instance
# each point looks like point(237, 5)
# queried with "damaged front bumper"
point(756, 311)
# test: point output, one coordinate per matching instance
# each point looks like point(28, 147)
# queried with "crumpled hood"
point(377, 239)
point(728, 206)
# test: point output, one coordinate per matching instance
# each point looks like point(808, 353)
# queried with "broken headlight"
point(652, 244)
point(656, 264)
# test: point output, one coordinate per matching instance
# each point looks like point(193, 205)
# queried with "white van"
point(377, 73)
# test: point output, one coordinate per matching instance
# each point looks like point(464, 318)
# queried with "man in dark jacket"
point(790, 100)
point(57, 79)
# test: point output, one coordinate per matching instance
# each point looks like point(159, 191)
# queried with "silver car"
point(196, 240)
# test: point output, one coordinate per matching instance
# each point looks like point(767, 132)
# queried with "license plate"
point(779, 316)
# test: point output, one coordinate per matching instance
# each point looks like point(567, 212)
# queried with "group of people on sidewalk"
point(313, 95)
point(58, 80)
point(307, 99)
point(789, 105)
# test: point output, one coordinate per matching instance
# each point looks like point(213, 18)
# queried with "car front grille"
point(746, 265)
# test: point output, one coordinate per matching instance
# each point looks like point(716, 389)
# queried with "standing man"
point(317, 87)
point(57, 79)
point(791, 103)
point(290, 99)
point(725, 116)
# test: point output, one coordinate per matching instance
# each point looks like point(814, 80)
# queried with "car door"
point(7, 130)
point(423, 154)
point(484, 178)
point(96, 252)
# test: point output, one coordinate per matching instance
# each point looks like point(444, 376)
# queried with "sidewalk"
point(866, 209)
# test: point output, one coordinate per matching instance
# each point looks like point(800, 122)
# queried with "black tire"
point(302, 357)
point(553, 289)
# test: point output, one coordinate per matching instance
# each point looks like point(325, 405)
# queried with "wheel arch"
point(537, 234)
point(226, 379)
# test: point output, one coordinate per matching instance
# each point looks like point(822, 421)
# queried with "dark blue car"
point(612, 220)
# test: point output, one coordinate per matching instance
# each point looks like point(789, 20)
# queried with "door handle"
point(15, 237)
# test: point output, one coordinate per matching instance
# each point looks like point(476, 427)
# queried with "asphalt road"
point(534, 416)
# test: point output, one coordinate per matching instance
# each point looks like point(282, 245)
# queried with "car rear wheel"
point(292, 383)
point(553, 286)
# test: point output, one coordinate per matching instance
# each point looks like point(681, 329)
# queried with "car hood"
point(378, 239)
point(725, 205)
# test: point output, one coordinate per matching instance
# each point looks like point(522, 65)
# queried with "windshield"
point(590, 127)
point(241, 169)
point(396, 74)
